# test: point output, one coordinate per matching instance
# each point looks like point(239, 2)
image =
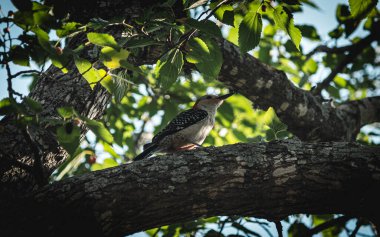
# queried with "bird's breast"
point(195, 133)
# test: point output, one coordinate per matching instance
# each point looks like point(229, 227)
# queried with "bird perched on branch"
point(188, 129)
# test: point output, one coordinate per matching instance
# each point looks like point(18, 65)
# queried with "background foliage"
point(146, 98)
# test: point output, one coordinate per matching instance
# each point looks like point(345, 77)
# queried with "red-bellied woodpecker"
point(188, 130)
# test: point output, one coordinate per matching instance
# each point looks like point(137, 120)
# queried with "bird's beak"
point(223, 97)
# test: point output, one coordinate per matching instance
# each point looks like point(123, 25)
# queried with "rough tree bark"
point(306, 116)
point(267, 180)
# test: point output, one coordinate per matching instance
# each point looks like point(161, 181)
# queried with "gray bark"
point(27, 158)
point(263, 180)
point(267, 180)
point(306, 115)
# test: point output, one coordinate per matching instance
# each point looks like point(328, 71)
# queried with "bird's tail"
point(148, 149)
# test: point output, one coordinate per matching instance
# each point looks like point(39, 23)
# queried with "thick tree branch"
point(266, 180)
point(306, 116)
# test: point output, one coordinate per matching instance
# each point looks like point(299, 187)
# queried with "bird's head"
point(210, 102)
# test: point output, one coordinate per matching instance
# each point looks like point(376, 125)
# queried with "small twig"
point(278, 228)
point(222, 227)
point(339, 221)
point(185, 37)
point(155, 233)
point(24, 72)
point(245, 229)
point(359, 223)
point(353, 51)
point(216, 8)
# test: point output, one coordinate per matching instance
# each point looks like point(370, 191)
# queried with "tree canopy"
point(107, 75)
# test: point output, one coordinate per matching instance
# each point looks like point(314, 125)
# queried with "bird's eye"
point(208, 97)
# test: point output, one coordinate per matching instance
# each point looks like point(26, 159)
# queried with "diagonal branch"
point(339, 221)
point(338, 50)
point(306, 116)
point(265, 180)
point(353, 51)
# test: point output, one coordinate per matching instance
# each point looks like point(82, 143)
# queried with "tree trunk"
point(267, 180)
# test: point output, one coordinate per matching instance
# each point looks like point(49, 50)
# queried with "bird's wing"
point(182, 121)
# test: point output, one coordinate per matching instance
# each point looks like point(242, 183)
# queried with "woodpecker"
point(188, 129)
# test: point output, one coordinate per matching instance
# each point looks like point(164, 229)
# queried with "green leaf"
point(340, 82)
point(142, 42)
point(125, 64)
point(309, 31)
point(103, 40)
point(6, 106)
point(97, 23)
point(310, 66)
point(99, 130)
point(169, 67)
point(68, 137)
point(198, 51)
point(19, 55)
point(207, 27)
point(33, 105)
point(67, 28)
point(107, 163)
point(225, 13)
point(108, 148)
point(89, 73)
point(361, 8)
point(285, 22)
point(120, 88)
point(66, 112)
point(111, 58)
point(250, 31)
point(60, 61)
point(205, 54)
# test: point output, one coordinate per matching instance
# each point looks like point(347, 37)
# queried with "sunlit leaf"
point(310, 66)
point(99, 130)
point(361, 8)
point(111, 58)
point(102, 39)
point(87, 71)
point(285, 22)
point(67, 28)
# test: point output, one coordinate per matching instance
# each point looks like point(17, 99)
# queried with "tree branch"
point(265, 180)
point(339, 221)
point(306, 116)
point(353, 51)
point(338, 50)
